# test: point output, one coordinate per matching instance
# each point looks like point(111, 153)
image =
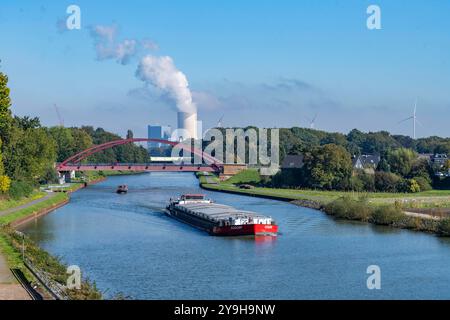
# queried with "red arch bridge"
point(211, 164)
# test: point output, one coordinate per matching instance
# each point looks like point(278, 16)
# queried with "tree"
point(424, 184)
point(401, 161)
point(443, 148)
point(447, 165)
point(65, 143)
point(27, 122)
point(335, 138)
point(82, 140)
point(328, 167)
point(129, 134)
point(5, 105)
point(362, 181)
point(386, 181)
point(2, 168)
point(421, 168)
point(128, 153)
point(29, 154)
point(378, 142)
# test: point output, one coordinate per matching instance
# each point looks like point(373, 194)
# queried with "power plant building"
point(187, 126)
point(158, 132)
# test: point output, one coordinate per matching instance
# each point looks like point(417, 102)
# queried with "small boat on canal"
point(122, 189)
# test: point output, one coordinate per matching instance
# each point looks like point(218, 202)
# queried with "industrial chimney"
point(187, 122)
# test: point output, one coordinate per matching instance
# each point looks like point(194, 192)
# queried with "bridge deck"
point(160, 167)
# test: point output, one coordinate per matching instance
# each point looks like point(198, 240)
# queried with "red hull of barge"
point(246, 229)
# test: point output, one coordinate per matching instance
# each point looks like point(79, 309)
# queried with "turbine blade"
point(405, 120)
point(419, 122)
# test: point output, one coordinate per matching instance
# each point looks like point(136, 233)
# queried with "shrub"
point(5, 184)
point(387, 182)
point(420, 224)
point(362, 181)
point(424, 184)
point(350, 209)
point(444, 227)
point(408, 186)
point(413, 186)
point(20, 189)
point(387, 215)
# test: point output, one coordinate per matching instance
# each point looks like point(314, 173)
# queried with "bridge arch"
point(77, 158)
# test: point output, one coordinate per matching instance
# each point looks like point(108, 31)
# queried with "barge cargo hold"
point(218, 219)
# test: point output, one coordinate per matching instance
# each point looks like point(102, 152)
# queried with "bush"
point(20, 189)
point(424, 184)
point(387, 215)
point(413, 186)
point(444, 227)
point(362, 181)
point(287, 178)
point(5, 184)
point(408, 186)
point(387, 182)
point(350, 209)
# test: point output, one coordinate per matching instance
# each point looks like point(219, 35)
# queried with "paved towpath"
point(9, 288)
point(28, 204)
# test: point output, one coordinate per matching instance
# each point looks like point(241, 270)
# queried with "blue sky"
point(265, 63)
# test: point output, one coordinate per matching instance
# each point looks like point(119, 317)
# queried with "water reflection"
point(126, 244)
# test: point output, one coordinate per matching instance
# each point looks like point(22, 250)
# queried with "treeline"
point(29, 151)
point(298, 140)
point(328, 161)
point(330, 167)
point(70, 141)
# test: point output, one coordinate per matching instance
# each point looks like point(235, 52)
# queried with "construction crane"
point(219, 123)
point(60, 119)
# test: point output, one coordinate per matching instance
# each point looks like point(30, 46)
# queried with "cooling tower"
point(188, 122)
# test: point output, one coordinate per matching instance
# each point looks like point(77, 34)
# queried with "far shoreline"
point(413, 221)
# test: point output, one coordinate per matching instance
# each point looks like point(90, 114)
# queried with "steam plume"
point(162, 73)
point(107, 47)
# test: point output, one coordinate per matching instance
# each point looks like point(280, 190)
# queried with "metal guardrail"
point(18, 274)
point(55, 289)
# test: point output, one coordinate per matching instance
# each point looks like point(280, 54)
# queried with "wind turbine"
point(60, 118)
point(312, 122)
point(414, 118)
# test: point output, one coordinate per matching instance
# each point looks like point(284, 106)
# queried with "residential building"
point(293, 162)
point(366, 162)
point(439, 159)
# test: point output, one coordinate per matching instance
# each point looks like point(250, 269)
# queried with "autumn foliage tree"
point(328, 167)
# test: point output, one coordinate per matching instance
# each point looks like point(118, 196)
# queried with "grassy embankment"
point(12, 255)
point(11, 242)
point(378, 208)
point(11, 246)
point(8, 203)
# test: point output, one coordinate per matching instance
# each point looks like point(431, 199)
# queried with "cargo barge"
point(218, 219)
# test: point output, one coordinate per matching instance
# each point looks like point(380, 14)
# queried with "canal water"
point(127, 245)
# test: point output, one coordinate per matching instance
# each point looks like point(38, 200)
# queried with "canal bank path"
point(9, 288)
point(28, 204)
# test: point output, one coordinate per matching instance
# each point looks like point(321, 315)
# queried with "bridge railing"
point(137, 164)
